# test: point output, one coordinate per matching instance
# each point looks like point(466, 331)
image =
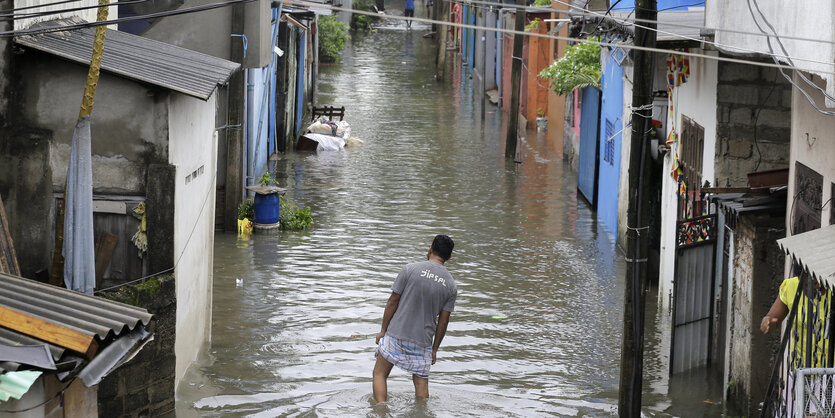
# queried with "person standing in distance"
point(409, 12)
point(415, 319)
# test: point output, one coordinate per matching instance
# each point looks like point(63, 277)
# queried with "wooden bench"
point(330, 111)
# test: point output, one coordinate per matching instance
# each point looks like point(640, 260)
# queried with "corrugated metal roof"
point(137, 58)
point(669, 22)
point(813, 251)
point(735, 204)
point(89, 315)
point(16, 384)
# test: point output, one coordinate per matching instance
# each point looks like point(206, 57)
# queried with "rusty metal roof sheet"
point(89, 315)
point(135, 57)
point(813, 252)
point(673, 25)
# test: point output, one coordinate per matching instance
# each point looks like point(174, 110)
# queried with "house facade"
point(153, 170)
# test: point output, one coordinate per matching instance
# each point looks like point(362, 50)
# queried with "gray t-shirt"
point(425, 288)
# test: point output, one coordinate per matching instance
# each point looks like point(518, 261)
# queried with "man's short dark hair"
point(442, 246)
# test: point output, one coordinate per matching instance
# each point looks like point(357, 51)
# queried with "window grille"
point(609, 146)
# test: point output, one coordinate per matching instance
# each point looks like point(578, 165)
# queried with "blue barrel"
point(266, 208)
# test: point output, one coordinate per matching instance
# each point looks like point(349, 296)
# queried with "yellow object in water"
point(244, 227)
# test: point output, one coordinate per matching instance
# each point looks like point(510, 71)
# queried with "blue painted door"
point(587, 160)
point(611, 127)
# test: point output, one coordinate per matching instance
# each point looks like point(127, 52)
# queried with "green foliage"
point(533, 25)
point(362, 22)
point(578, 68)
point(333, 35)
point(267, 179)
point(292, 217)
point(246, 210)
point(540, 3)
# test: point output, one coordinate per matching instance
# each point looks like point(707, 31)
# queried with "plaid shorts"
point(406, 355)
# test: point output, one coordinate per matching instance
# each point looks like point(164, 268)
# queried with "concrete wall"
point(124, 141)
point(207, 32)
point(812, 145)
point(5, 64)
point(695, 99)
point(757, 273)
point(257, 29)
point(754, 122)
point(144, 386)
point(35, 151)
point(193, 151)
point(571, 130)
point(539, 57)
point(87, 14)
point(625, 149)
point(811, 19)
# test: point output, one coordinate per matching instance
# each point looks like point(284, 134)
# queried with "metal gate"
point(693, 293)
point(587, 169)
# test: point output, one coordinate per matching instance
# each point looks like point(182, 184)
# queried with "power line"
point(583, 12)
point(561, 38)
point(788, 57)
point(31, 15)
point(786, 76)
point(56, 28)
point(39, 6)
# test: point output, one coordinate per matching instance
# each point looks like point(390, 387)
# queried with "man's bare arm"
point(391, 308)
point(443, 321)
point(775, 315)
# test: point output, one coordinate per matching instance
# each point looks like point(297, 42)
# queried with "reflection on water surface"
point(537, 324)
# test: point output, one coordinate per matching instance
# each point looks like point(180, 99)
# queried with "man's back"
point(425, 288)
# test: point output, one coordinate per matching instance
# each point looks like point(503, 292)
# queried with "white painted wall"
point(625, 150)
point(814, 19)
point(193, 150)
point(816, 152)
point(695, 99)
point(87, 14)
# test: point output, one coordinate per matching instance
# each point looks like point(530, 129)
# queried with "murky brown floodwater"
point(537, 326)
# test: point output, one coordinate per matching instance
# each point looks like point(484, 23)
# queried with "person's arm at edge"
point(775, 315)
point(443, 321)
point(391, 308)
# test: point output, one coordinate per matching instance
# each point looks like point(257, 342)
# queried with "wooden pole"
point(442, 12)
point(235, 90)
point(57, 270)
point(515, 81)
point(632, 351)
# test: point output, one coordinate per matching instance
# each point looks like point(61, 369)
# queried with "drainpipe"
point(249, 148)
point(499, 53)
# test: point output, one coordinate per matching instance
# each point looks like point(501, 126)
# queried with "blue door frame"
point(611, 127)
point(587, 160)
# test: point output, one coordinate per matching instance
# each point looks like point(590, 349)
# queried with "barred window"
point(691, 153)
point(609, 146)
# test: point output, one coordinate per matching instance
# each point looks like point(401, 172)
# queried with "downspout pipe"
point(500, 53)
point(250, 128)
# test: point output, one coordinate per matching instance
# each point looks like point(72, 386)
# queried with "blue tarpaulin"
point(78, 250)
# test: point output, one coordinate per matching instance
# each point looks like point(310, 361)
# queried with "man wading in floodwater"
point(411, 335)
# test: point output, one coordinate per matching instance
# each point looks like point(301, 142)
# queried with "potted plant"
point(541, 120)
point(266, 203)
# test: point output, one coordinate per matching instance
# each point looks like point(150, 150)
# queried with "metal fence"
point(803, 379)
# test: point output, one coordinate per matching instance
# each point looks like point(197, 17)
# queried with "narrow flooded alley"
point(537, 325)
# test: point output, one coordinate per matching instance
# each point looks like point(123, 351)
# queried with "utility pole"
point(442, 15)
point(515, 80)
point(235, 125)
point(632, 350)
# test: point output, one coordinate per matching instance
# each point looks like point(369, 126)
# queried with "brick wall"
point(144, 386)
point(753, 128)
point(758, 271)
